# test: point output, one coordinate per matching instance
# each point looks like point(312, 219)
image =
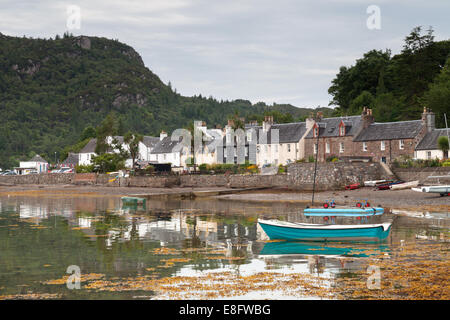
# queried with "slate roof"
point(150, 141)
point(287, 132)
point(72, 158)
point(166, 145)
point(38, 158)
point(429, 142)
point(390, 131)
point(329, 127)
point(90, 147)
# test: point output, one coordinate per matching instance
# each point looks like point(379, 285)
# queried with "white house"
point(36, 163)
point(427, 148)
point(170, 151)
point(85, 155)
point(280, 143)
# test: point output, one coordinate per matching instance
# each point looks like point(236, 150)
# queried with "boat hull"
point(292, 231)
point(343, 212)
point(407, 185)
point(434, 189)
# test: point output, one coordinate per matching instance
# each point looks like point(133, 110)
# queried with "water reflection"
point(103, 236)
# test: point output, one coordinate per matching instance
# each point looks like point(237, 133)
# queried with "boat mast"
point(315, 162)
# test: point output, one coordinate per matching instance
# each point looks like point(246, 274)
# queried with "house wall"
point(86, 158)
point(40, 166)
point(349, 147)
point(423, 154)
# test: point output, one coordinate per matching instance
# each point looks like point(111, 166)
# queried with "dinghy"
point(344, 211)
point(406, 185)
point(373, 183)
point(442, 190)
point(283, 230)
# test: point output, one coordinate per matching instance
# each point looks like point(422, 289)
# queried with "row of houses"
point(354, 138)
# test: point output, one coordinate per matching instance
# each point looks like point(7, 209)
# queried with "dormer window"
point(342, 129)
point(316, 131)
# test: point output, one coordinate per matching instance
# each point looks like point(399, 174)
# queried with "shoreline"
point(400, 199)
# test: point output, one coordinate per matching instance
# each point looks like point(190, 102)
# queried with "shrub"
point(311, 159)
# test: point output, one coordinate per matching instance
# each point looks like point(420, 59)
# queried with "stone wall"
point(300, 176)
point(332, 175)
point(421, 174)
point(44, 178)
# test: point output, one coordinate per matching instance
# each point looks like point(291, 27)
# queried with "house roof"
point(287, 132)
point(90, 146)
point(429, 142)
point(150, 141)
point(166, 145)
point(329, 127)
point(72, 158)
point(390, 131)
point(38, 158)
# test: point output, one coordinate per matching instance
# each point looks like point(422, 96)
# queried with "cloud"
point(259, 50)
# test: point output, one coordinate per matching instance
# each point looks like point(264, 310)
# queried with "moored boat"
point(344, 211)
point(276, 229)
point(406, 185)
point(373, 183)
point(442, 190)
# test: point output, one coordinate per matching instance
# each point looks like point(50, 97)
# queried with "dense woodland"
point(55, 93)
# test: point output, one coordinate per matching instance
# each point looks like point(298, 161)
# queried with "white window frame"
point(383, 145)
point(342, 131)
point(289, 147)
point(401, 144)
point(341, 147)
point(315, 148)
point(364, 146)
point(327, 147)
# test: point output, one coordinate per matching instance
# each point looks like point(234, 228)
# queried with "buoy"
point(325, 205)
point(358, 205)
point(325, 218)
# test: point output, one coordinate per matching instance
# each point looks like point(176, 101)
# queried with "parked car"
point(9, 173)
point(66, 170)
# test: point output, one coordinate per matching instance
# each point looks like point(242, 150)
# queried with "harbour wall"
point(426, 176)
point(299, 176)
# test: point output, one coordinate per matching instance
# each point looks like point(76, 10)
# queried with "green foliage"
point(397, 87)
point(311, 159)
point(407, 162)
point(84, 169)
point(443, 143)
point(108, 162)
point(332, 158)
point(132, 141)
point(53, 92)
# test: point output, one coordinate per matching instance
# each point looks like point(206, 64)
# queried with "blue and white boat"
point(344, 212)
point(284, 230)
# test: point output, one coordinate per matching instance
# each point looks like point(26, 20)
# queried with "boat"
point(293, 248)
point(387, 186)
point(442, 190)
point(344, 211)
point(406, 185)
point(353, 186)
point(283, 230)
point(134, 200)
point(374, 183)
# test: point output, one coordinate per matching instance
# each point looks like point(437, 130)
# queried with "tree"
point(88, 132)
point(107, 128)
point(443, 145)
point(132, 141)
point(437, 98)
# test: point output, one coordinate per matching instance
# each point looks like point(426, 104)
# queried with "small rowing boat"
point(344, 211)
point(442, 190)
point(373, 183)
point(406, 185)
point(276, 229)
point(353, 186)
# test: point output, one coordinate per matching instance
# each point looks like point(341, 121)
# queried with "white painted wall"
point(428, 154)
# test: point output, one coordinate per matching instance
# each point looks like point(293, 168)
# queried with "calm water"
point(41, 236)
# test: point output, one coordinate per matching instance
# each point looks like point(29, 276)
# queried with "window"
point(428, 154)
point(342, 130)
point(341, 147)
point(364, 146)
point(315, 148)
point(316, 131)
point(249, 136)
point(401, 144)
point(289, 147)
point(276, 148)
point(327, 147)
point(383, 145)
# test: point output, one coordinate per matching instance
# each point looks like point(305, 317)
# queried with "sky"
point(283, 51)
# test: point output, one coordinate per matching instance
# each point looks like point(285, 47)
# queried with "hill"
point(52, 89)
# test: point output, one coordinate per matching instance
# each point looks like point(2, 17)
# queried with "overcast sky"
point(282, 51)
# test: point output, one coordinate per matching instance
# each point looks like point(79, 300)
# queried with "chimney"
point(428, 119)
point(162, 135)
point(267, 123)
point(367, 117)
point(319, 116)
point(230, 123)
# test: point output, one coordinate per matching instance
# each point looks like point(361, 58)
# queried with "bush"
point(332, 158)
point(84, 169)
point(311, 159)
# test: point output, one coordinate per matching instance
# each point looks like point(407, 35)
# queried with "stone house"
point(170, 151)
point(335, 136)
point(384, 142)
